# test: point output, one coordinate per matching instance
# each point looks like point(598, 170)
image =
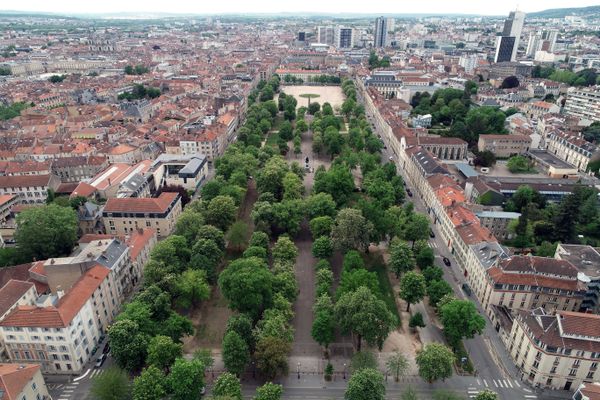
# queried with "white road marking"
point(82, 376)
point(530, 396)
point(478, 382)
point(517, 383)
point(473, 391)
point(527, 390)
point(495, 384)
point(485, 383)
point(500, 383)
point(509, 383)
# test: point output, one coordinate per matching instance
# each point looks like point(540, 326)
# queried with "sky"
point(484, 7)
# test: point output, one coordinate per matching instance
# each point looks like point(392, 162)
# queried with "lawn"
point(272, 139)
point(375, 263)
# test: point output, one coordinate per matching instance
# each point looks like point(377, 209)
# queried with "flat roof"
point(466, 170)
point(550, 159)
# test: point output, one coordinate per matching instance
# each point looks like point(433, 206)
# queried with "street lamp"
point(298, 369)
point(344, 371)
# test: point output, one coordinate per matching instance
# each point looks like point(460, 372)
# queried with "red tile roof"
point(14, 378)
point(11, 293)
point(141, 205)
point(24, 180)
point(59, 316)
point(579, 324)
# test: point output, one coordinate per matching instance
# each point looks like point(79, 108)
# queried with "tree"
point(191, 287)
point(112, 384)
point(186, 379)
point(323, 328)
point(433, 273)
point(425, 257)
point(363, 314)
point(351, 230)
point(238, 235)
point(269, 391)
point(352, 280)
point(210, 232)
point(176, 326)
point(409, 394)
point(461, 320)
point(417, 228)
point(437, 290)
point(221, 212)
point(320, 205)
point(324, 280)
point(188, 225)
point(322, 247)
point(321, 226)
point(416, 321)
point(235, 353)
point(150, 385)
point(366, 384)
point(485, 159)
point(259, 239)
point(435, 362)
point(519, 164)
point(271, 356)
point(292, 186)
point(400, 257)
point(242, 325)
point(47, 231)
point(412, 288)
point(361, 360)
point(247, 284)
point(314, 108)
point(397, 365)
point(284, 249)
point(486, 394)
point(128, 345)
point(352, 261)
point(338, 182)
point(162, 352)
point(227, 386)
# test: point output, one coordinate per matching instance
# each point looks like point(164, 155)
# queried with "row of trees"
point(585, 77)
point(140, 92)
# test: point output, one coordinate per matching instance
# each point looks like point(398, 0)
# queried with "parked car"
point(100, 360)
point(431, 234)
point(467, 289)
point(106, 349)
point(408, 192)
point(446, 261)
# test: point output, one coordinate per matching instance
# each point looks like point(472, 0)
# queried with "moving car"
point(100, 360)
point(431, 234)
point(446, 261)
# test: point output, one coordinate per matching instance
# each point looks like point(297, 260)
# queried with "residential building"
point(126, 215)
point(130, 180)
point(587, 391)
point(508, 43)
point(78, 168)
point(584, 103)
point(344, 37)
point(572, 149)
point(498, 222)
point(60, 330)
point(559, 351)
point(443, 148)
point(504, 146)
point(22, 382)
point(325, 35)
point(587, 261)
point(31, 189)
point(188, 171)
point(14, 293)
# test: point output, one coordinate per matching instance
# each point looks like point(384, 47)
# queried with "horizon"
point(312, 7)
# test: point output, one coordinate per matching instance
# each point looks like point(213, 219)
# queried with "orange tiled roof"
point(141, 205)
point(14, 378)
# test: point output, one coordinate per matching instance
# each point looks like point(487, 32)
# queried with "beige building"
point(572, 149)
point(123, 216)
point(31, 189)
point(22, 382)
point(504, 145)
point(14, 293)
point(559, 351)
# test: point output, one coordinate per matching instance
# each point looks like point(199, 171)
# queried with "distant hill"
point(563, 12)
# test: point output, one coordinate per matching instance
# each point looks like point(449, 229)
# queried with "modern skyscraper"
point(508, 43)
point(381, 30)
point(326, 34)
point(344, 37)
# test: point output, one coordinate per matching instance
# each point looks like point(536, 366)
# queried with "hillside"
point(563, 12)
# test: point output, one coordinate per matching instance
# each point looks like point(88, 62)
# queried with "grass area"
point(277, 122)
point(272, 139)
point(374, 262)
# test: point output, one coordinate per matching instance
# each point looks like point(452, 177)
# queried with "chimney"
point(59, 292)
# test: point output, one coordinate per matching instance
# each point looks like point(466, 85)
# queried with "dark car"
point(446, 261)
point(467, 289)
point(431, 234)
point(408, 192)
point(106, 349)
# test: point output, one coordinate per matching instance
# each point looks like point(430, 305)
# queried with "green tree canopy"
point(435, 361)
point(150, 385)
point(366, 384)
point(162, 352)
point(186, 379)
point(247, 284)
point(269, 391)
point(461, 320)
point(351, 230)
point(112, 384)
point(228, 386)
point(235, 353)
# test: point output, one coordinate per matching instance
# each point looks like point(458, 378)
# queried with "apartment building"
point(497, 222)
point(587, 391)
point(22, 382)
point(559, 351)
point(587, 261)
point(504, 146)
point(528, 282)
point(78, 168)
point(443, 148)
point(126, 215)
point(14, 293)
point(188, 171)
point(584, 103)
point(572, 149)
point(31, 189)
point(60, 330)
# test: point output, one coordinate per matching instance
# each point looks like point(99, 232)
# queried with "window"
point(573, 372)
point(33, 386)
point(69, 367)
point(590, 375)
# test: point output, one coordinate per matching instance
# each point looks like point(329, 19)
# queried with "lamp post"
point(298, 365)
point(344, 371)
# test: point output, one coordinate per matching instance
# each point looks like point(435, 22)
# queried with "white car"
point(100, 360)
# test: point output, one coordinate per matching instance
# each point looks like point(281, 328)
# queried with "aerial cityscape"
point(266, 200)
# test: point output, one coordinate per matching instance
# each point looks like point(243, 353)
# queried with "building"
point(508, 43)
point(584, 103)
point(587, 261)
point(126, 215)
point(587, 391)
point(572, 149)
point(61, 329)
point(325, 35)
point(443, 148)
point(187, 171)
point(504, 146)
point(497, 222)
point(15, 293)
point(22, 382)
point(31, 189)
point(344, 37)
point(560, 351)
point(78, 168)
point(120, 178)
point(528, 282)
point(541, 41)
point(381, 31)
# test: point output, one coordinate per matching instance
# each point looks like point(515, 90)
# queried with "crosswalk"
point(68, 391)
point(95, 373)
point(493, 384)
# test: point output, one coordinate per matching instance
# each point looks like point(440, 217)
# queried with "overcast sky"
point(487, 7)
